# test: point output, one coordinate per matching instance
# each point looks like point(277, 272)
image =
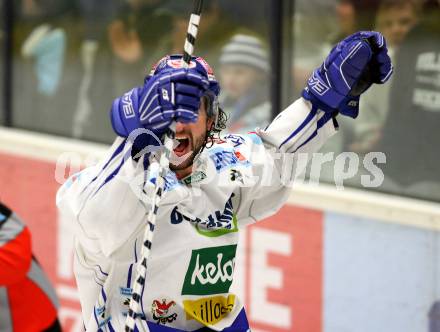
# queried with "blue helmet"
point(199, 65)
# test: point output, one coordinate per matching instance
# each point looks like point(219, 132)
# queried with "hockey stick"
point(158, 173)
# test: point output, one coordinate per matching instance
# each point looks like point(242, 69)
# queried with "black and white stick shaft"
point(159, 170)
point(193, 29)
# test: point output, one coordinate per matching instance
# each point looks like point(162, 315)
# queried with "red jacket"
point(27, 300)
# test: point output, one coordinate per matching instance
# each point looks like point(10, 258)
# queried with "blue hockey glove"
point(350, 69)
point(172, 94)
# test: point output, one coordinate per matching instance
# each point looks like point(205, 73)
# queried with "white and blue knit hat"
point(245, 50)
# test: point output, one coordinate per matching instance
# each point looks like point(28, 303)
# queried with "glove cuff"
point(123, 117)
point(350, 106)
point(316, 102)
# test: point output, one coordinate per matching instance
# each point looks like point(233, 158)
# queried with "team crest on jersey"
point(162, 311)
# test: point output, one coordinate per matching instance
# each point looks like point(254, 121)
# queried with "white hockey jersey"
point(239, 180)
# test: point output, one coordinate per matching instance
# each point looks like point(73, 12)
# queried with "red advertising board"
point(281, 259)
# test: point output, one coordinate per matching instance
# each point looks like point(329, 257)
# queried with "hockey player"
point(214, 188)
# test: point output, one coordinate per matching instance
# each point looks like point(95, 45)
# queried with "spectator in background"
point(46, 46)
point(96, 82)
point(28, 302)
point(249, 14)
point(411, 131)
point(41, 38)
point(133, 41)
point(215, 29)
point(346, 16)
point(352, 15)
point(395, 18)
point(312, 42)
point(244, 71)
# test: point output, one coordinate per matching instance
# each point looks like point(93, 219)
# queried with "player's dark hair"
point(215, 131)
point(220, 122)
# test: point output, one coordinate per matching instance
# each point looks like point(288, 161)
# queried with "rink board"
point(303, 270)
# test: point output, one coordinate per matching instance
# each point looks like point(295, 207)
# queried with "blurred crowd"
point(72, 57)
point(400, 119)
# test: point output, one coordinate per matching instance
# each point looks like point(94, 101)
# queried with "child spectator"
point(243, 74)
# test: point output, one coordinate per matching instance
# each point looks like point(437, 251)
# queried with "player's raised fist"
point(170, 93)
point(352, 66)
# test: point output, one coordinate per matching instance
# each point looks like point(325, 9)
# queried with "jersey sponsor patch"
point(224, 159)
point(210, 271)
point(209, 310)
point(217, 224)
point(194, 178)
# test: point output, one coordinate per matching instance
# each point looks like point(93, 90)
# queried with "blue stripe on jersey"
point(302, 125)
point(321, 122)
point(129, 275)
point(135, 253)
point(314, 134)
point(110, 177)
point(98, 283)
point(110, 327)
point(118, 150)
point(100, 269)
point(325, 118)
point(130, 269)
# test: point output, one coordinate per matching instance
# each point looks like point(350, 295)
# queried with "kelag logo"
point(209, 310)
point(210, 271)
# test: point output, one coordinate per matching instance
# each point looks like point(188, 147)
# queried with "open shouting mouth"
point(182, 150)
point(181, 146)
